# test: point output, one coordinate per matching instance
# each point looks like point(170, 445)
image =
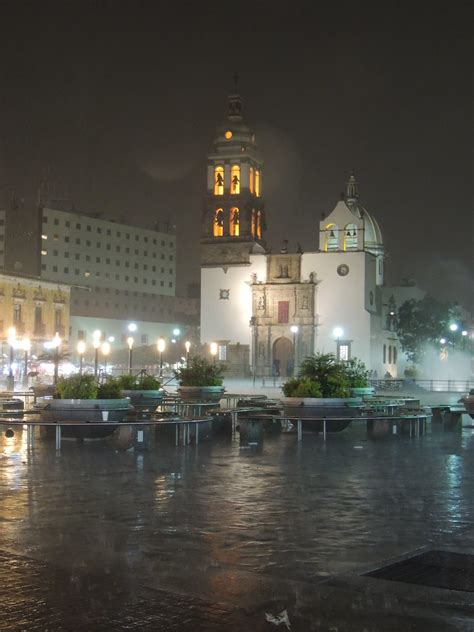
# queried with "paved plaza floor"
point(212, 537)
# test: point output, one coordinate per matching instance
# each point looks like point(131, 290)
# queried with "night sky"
point(118, 103)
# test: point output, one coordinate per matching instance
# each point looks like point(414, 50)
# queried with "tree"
point(424, 322)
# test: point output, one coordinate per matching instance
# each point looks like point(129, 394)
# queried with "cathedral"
point(268, 310)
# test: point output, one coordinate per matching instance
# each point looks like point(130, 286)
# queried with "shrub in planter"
point(81, 398)
point(321, 389)
point(200, 379)
point(143, 389)
point(140, 382)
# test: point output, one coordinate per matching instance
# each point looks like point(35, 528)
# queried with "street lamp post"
point(105, 348)
point(161, 347)
point(96, 336)
point(453, 327)
point(56, 345)
point(11, 341)
point(81, 349)
point(214, 351)
point(294, 331)
point(338, 332)
point(187, 346)
point(26, 348)
point(253, 325)
point(130, 352)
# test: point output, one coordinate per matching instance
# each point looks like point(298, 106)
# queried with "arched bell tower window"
point(350, 237)
point(257, 182)
point(235, 179)
point(332, 238)
point(254, 223)
point(234, 228)
point(251, 179)
point(259, 225)
point(218, 228)
point(219, 180)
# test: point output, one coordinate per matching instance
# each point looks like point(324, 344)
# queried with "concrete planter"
point(150, 398)
point(84, 410)
point(201, 393)
point(303, 407)
point(363, 391)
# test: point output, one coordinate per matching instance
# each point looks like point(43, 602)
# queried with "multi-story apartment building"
point(118, 273)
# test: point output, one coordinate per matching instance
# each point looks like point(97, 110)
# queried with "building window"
point(384, 354)
point(235, 179)
point(222, 353)
point(234, 227)
point(390, 354)
point(56, 222)
point(343, 350)
point(219, 180)
point(259, 225)
point(218, 230)
point(58, 319)
point(257, 182)
point(144, 339)
point(251, 179)
point(81, 334)
point(283, 311)
point(38, 320)
point(88, 228)
point(395, 353)
point(17, 313)
point(78, 241)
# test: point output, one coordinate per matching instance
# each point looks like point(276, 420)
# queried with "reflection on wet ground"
point(257, 529)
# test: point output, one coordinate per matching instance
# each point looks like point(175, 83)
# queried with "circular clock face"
point(228, 134)
point(343, 270)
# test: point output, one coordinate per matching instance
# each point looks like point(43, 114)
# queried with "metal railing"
point(441, 386)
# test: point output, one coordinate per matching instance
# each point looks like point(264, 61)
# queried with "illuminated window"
point(251, 179)
point(257, 182)
point(350, 237)
point(344, 351)
point(44, 236)
point(259, 225)
point(234, 222)
point(254, 223)
point(332, 238)
point(44, 252)
point(219, 181)
point(228, 134)
point(218, 229)
point(235, 180)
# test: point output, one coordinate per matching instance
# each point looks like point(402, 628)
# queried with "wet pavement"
point(212, 537)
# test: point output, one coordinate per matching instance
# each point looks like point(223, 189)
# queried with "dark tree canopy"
point(422, 323)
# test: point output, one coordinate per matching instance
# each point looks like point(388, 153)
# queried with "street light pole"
point(11, 342)
point(130, 351)
point(105, 352)
point(26, 347)
point(81, 349)
point(294, 331)
point(187, 346)
point(56, 344)
point(161, 347)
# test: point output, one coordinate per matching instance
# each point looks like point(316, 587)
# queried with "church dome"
point(373, 241)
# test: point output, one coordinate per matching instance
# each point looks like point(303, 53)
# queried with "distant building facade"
point(118, 273)
point(36, 309)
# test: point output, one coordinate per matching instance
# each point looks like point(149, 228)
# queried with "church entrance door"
point(283, 357)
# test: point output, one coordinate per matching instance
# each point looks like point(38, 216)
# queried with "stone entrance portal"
point(283, 357)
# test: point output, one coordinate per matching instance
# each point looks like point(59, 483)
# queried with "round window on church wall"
point(343, 269)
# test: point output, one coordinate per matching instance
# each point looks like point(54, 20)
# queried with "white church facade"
point(267, 311)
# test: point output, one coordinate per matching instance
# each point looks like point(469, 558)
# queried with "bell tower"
point(233, 221)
